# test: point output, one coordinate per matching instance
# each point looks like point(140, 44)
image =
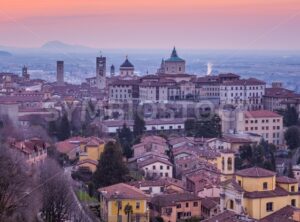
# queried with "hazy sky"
point(201, 24)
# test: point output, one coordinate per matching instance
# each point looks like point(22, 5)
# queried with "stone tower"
point(60, 72)
point(101, 72)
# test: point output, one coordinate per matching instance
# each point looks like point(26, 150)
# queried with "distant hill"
point(57, 46)
point(5, 54)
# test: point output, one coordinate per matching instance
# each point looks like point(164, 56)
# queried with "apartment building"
point(246, 93)
point(262, 122)
point(277, 98)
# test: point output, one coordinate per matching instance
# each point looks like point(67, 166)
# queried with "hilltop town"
point(163, 147)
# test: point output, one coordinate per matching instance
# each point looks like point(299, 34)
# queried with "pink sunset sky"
point(199, 24)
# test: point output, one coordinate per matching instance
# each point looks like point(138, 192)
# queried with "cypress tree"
point(110, 169)
point(64, 129)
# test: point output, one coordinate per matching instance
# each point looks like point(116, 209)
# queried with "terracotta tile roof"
point(178, 140)
point(157, 139)
point(166, 200)
point(245, 82)
point(204, 180)
point(94, 162)
point(234, 139)
point(92, 141)
point(280, 93)
point(233, 183)
point(229, 216)
point(286, 180)
point(122, 191)
point(68, 145)
point(154, 160)
point(30, 146)
point(283, 215)
point(159, 182)
point(210, 202)
point(270, 193)
point(261, 114)
point(223, 75)
point(255, 172)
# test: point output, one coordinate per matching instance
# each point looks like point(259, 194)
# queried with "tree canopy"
point(110, 169)
point(125, 138)
point(139, 126)
point(64, 128)
point(204, 127)
point(261, 155)
point(292, 137)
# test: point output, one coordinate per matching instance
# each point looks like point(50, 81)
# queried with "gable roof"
point(154, 160)
point(284, 214)
point(229, 216)
point(172, 199)
point(122, 191)
point(286, 180)
point(261, 114)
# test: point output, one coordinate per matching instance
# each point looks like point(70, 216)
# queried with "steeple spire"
point(174, 53)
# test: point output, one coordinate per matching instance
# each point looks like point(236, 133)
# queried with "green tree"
point(189, 126)
point(52, 128)
point(261, 155)
point(139, 126)
point(64, 128)
point(110, 169)
point(290, 116)
point(206, 126)
point(125, 138)
point(292, 137)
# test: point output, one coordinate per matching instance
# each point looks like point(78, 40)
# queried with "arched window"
point(231, 204)
point(223, 163)
point(229, 163)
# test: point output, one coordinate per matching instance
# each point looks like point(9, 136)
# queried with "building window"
point(269, 207)
point(223, 163)
point(178, 206)
point(137, 205)
point(231, 204)
point(293, 202)
point(292, 188)
point(186, 204)
point(265, 185)
point(162, 189)
point(168, 167)
point(240, 182)
point(229, 163)
point(153, 167)
point(166, 175)
point(161, 167)
point(195, 204)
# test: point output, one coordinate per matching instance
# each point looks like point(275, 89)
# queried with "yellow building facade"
point(120, 201)
point(224, 162)
point(257, 192)
point(91, 148)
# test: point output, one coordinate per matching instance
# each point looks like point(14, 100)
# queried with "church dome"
point(174, 57)
point(127, 64)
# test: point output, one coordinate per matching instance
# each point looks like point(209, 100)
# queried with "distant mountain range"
point(5, 54)
point(57, 46)
point(51, 47)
